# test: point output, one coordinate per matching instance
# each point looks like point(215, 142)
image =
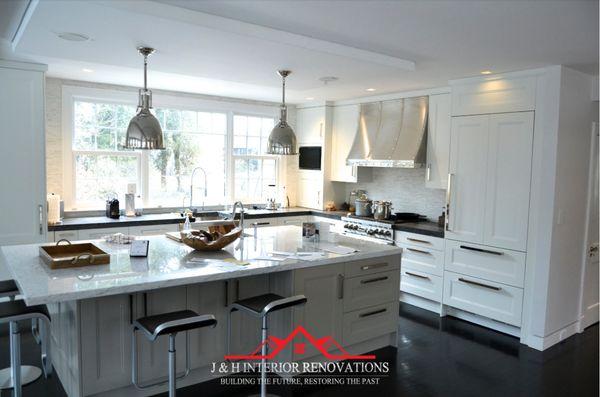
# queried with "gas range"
point(375, 230)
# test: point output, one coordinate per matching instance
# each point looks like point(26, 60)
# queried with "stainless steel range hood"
point(391, 134)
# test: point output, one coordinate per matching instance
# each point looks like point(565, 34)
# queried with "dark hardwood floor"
point(435, 357)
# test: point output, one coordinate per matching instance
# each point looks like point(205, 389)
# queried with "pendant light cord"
point(283, 93)
point(145, 73)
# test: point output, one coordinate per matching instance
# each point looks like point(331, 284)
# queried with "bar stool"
point(18, 375)
point(167, 324)
point(260, 306)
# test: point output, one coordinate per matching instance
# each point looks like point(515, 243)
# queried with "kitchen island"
point(352, 297)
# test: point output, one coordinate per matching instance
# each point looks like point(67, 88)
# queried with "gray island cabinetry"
point(352, 298)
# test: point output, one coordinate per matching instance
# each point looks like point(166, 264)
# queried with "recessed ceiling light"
point(309, 98)
point(70, 36)
point(88, 70)
point(371, 89)
point(486, 72)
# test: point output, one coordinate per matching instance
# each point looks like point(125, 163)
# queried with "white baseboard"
point(590, 316)
point(423, 303)
point(543, 342)
point(483, 321)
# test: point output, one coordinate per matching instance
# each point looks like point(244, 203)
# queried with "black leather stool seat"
point(262, 304)
point(8, 288)
point(169, 323)
point(18, 310)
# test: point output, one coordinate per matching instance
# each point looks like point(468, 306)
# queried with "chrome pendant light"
point(282, 139)
point(144, 131)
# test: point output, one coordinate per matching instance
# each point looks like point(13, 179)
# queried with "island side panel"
point(65, 345)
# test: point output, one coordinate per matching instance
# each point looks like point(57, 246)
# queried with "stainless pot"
point(382, 209)
point(363, 207)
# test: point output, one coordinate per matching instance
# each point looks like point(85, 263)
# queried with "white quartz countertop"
point(170, 263)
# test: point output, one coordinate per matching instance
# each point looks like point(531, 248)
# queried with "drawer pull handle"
point(261, 223)
point(417, 275)
point(416, 240)
point(419, 251)
point(378, 265)
point(372, 313)
point(340, 286)
point(374, 280)
point(479, 284)
point(466, 247)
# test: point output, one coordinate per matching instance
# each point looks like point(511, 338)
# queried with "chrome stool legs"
point(19, 375)
point(134, 368)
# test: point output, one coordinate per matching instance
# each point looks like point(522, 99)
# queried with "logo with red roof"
point(323, 345)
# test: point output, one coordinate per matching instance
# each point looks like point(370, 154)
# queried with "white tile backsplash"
point(405, 188)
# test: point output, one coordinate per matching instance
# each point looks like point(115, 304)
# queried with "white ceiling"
point(367, 44)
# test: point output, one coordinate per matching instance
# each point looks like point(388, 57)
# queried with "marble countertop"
point(170, 263)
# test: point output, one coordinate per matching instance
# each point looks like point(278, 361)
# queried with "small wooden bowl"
point(216, 238)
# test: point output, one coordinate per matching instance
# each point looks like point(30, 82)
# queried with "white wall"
point(405, 188)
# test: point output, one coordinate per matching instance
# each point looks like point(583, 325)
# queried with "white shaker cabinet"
point(22, 153)
point(345, 125)
point(466, 188)
point(508, 180)
point(323, 312)
point(490, 173)
point(310, 191)
point(310, 126)
point(438, 141)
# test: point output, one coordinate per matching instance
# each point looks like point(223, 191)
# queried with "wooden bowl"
point(216, 238)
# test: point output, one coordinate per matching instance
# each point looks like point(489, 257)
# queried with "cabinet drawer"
point(419, 240)
point(95, 234)
point(71, 235)
point(370, 290)
point(486, 298)
point(261, 222)
point(423, 259)
point(495, 264)
point(421, 284)
point(293, 220)
point(370, 266)
point(155, 230)
point(365, 324)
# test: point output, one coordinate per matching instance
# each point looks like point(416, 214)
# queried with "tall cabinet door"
point(468, 152)
point(508, 180)
point(321, 316)
point(23, 176)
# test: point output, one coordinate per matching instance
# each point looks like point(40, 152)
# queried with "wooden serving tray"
point(73, 255)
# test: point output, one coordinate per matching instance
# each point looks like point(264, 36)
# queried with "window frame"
point(179, 101)
point(278, 163)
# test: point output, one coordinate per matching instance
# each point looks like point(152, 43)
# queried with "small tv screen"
point(310, 158)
